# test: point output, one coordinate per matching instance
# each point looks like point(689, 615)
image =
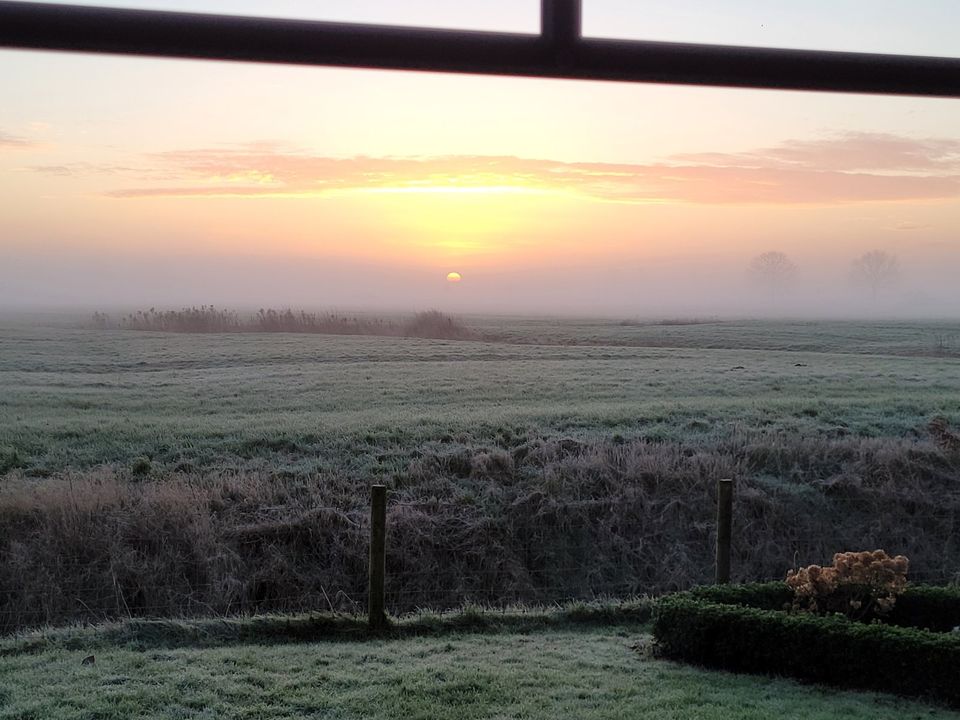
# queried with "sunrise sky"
point(141, 182)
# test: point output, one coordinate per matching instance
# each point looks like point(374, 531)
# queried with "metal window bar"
point(559, 51)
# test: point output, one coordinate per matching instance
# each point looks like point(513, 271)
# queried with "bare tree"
point(877, 270)
point(772, 270)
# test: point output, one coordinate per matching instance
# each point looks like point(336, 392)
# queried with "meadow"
point(583, 672)
point(80, 398)
point(152, 473)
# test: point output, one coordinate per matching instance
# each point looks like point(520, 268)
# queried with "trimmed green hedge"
point(920, 606)
point(924, 606)
point(763, 596)
point(717, 627)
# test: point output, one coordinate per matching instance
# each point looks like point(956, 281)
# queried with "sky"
point(128, 182)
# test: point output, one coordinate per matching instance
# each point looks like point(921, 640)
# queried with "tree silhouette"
point(877, 270)
point(772, 270)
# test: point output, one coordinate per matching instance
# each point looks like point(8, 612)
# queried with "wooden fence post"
point(724, 523)
point(376, 601)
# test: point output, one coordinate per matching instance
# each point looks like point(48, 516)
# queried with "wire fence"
point(444, 554)
point(557, 553)
point(938, 533)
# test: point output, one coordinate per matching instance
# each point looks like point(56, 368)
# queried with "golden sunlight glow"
point(457, 227)
point(457, 189)
point(446, 183)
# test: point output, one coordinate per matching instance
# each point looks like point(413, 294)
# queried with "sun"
point(454, 277)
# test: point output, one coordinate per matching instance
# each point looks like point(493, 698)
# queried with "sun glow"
point(457, 190)
point(460, 225)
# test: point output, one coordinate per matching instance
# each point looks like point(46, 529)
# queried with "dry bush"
point(439, 326)
point(941, 433)
point(858, 584)
point(98, 546)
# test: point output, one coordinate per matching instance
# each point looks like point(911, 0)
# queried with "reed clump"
point(431, 324)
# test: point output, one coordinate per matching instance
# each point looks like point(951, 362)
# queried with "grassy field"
point(153, 473)
point(563, 673)
point(78, 398)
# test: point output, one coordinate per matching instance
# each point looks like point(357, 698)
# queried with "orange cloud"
point(83, 168)
point(847, 169)
point(14, 141)
point(846, 152)
point(908, 226)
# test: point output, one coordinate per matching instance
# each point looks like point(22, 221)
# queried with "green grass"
point(911, 338)
point(570, 467)
point(74, 398)
point(216, 632)
point(582, 673)
point(166, 410)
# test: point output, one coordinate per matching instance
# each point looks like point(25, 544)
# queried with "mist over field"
point(662, 289)
point(633, 204)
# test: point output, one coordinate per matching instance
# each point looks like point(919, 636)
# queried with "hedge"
point(696, 628)
point(920, 606)
point(924, 606)
point(763, 596)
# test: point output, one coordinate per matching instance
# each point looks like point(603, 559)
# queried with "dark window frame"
point(559, 51)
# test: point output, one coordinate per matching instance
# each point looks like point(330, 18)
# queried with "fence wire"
point(444, 554)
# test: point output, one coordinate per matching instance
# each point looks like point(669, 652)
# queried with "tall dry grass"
point(209, 319)
point(543, 521)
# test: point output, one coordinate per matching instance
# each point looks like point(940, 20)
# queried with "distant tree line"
point(875, 270)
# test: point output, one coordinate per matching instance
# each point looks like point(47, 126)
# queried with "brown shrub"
point(941, 433)
point(858, 584)
point(439, 326)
